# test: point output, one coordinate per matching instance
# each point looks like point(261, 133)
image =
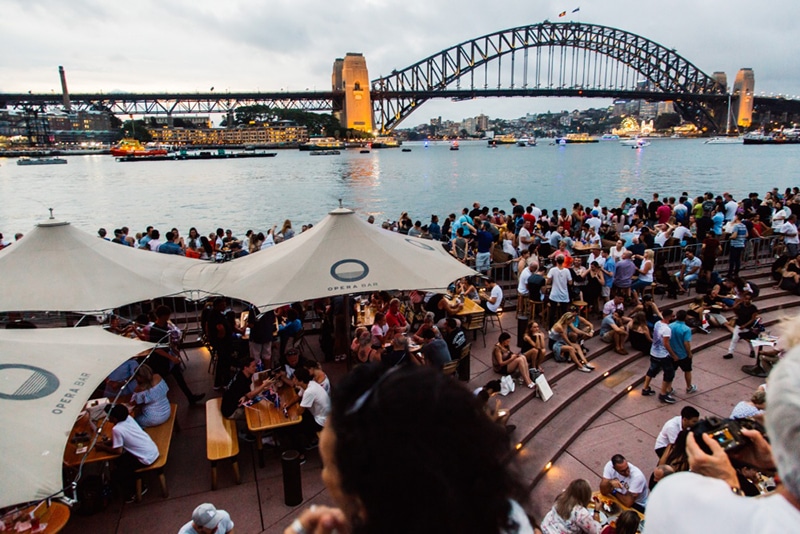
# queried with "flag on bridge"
point(562, 14)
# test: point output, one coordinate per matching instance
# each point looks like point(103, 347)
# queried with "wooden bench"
point(222, 440)
point(162, 436)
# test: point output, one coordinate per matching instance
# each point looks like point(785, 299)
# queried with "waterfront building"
point(279, 133)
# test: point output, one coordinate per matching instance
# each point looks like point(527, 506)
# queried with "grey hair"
point(430, 315)
point(783, 419)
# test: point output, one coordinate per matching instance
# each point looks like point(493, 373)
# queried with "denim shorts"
point(661, 364)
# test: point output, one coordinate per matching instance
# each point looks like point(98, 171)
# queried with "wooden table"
point(71, 457)
point(470, 308)
point(53, 517)
point(621, 507)
point(263, 416)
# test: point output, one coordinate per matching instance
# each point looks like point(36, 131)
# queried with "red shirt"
point(394, 320)
point(663, 213)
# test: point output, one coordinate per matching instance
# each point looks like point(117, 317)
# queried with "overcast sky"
point(244, 45)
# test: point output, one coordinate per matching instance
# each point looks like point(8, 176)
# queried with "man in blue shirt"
point(485, 245)
point(170, 247)
point(681, 343)
point(737, 236)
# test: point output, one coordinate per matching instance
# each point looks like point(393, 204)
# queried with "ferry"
point(577, 138)
point(386, 142)
point(322, 143)
point(525, 141)
point(132, 147)
point(41, 161)
point(502, 139)
point(609, 137)
point(635, 142)
point(725, 140)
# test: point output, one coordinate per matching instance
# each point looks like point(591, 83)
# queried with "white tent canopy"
point(343, 254)
point(57, 267)
point(46, 377)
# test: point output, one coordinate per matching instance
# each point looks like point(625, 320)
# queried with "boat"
point(502, 139)
point(609, 137)
point(635, 142)
point(322, 143)
point(770, 139)
point(132, 147)
point(41, 161)
point(525, 141)
point(728, 138)
point(579, 138)
point(454, 145)
point(406, 150)
point(325, 153)
point(364, 151)
point(386, 142)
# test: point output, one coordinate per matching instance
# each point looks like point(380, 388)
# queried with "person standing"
point(220, 335)
point(206, 519)
point(559, 279)
point(737, 236)
point(790, 237)
point(485, 240)
point(680, 340)
point(262, 331)
point(662, 358)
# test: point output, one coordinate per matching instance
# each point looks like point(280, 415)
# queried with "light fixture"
point(548, 465)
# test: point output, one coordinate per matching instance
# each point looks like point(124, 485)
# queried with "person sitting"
point(241, 390)
point(397, 353)
point(534, 345)
point(659, 473)
point(206, 519)
point(455, 337)
point(754, 408)
point(569, 514)
point(627, 523)
point(613, 331)
point(746, 316)
point(316, 404)
point(639, 333)
point(135, 447)
point(492, 301)
point(396, 320)
point(434, 349)
point(505, 362)
point(626, 482)
point(487, 396)
point(317, 374)
point(150, 398)
point(563, 347)
point(376, 416)
point(427, 324)
point(690, 270)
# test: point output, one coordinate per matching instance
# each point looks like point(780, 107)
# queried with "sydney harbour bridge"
point(539, 60)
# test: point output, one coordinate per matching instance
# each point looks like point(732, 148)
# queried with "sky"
point(245, 45)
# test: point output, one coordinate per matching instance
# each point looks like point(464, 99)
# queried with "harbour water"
point(95, 191)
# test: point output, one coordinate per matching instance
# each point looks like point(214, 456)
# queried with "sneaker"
point(667, 399)
point(670, 391)
point(312, 445)
point(531, 385)
point(247, 436)
point(132, 498)
point(590, 366)
point(584, 369)
point(647, 392)
point(269, 441)
point(703, 329)
point(302, 459)
point(691, 389)
point(728, 356)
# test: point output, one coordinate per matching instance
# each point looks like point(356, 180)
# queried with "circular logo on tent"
point(26, 382)
point(418, 243)
point(349, 270)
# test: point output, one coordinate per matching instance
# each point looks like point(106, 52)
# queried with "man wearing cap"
point(206, 519)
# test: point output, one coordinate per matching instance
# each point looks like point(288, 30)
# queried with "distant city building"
point(743, 88)
point(274, 134)
point(350, 76)
point(482, 122)
point(59, 126)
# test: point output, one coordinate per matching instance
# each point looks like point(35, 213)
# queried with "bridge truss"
point(551, 59)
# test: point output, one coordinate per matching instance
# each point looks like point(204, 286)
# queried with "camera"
point(726, 432)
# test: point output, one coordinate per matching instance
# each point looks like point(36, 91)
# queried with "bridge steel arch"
point(669, 76)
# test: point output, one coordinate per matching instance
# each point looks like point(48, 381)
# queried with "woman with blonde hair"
point(569, 514)
point(286, 230)
point(150, 398)
point(563, 347)
point(645, 272)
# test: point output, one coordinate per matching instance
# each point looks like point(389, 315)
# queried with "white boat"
point(609, 137)
point(733, 140)
point(635, 142)
point(524, 141)
point(41, 161)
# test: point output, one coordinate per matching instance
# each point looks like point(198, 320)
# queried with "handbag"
point(507, 385)
point(543, 388)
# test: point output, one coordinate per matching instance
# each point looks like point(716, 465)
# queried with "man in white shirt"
point(626, 482)
point(790, 238)
point(559, 279)
point(206, 519)
point(494, 299)
point(317, 404)
point(730, 206)
point(669, 432)
point(525, 239)
point(662, 358)
point(522, 287)
point(134, 446)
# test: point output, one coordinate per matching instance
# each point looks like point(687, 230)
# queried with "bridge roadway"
point(189, 103)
